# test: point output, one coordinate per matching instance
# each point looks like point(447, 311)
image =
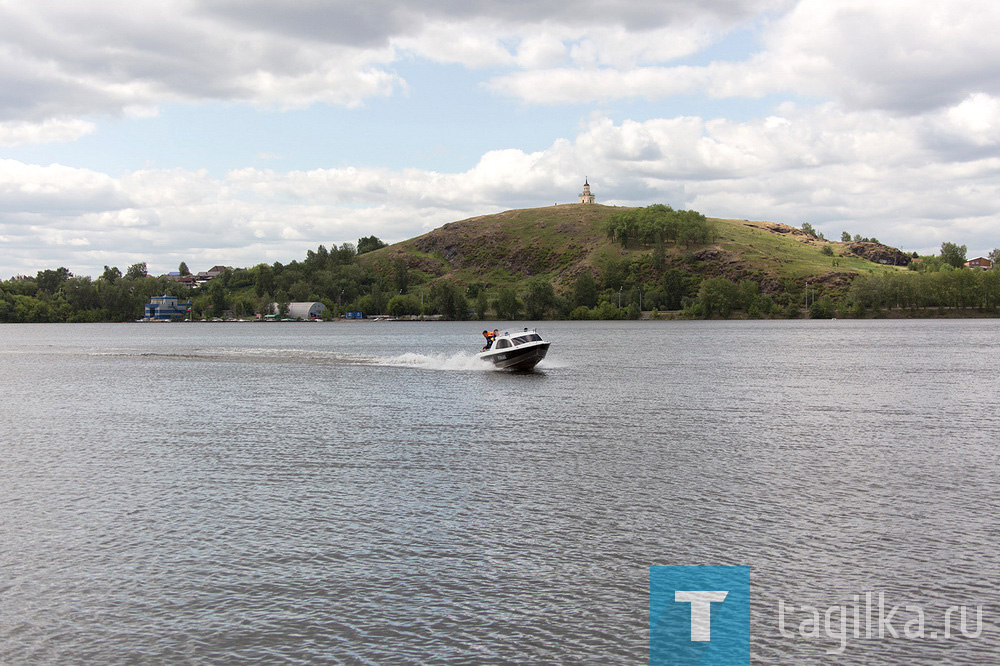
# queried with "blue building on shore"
point(166, 308)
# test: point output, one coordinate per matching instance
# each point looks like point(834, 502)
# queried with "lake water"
point(367, 492)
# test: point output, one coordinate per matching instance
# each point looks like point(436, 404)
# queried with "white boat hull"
point(522, 357)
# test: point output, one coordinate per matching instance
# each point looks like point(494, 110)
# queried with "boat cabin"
point(507, 340)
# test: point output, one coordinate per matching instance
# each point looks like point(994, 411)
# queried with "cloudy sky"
point(240, 131)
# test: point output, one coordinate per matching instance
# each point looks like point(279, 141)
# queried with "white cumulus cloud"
point(51, 130)
point(884, 118)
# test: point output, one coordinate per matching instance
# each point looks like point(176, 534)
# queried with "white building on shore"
point(300, 310)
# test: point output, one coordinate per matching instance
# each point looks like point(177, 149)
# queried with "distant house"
point(303, 310)
point(213, 272)
point(187, 280)
point(979, 262)
point(166, 308)
point(586, 197)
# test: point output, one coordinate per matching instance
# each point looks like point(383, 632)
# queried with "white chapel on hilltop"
point(586, 197)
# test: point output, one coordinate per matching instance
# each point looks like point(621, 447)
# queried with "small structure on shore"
point(166, 308)
point(299, 310)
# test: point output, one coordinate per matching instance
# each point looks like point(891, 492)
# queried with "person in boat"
point(489, 339)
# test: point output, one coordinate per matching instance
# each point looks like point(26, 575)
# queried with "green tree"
point(374, 302)
point(718, 296)
point(507, 305)
point(219, 301)
point(746, 292)
point(991, 289)
point(808, 228)
point(608, 311)
point(241, 306)
point(539, 298)
point(81, 294)
point(845, 237)
point(51, 280)
point(298, 291)
point(448, 300)
point(402, 305)
point(183, 269)
point(119, 301)
point(677, 285)
point(136, 271)
point(345, 253)
point(585, 290)
point(659, 255)
point(263, 282)
point(482, 305)
point(762, 306)
point(318, 260)
point(822, 308)
point(693, 228)
point(400, 275)
point(657, 224)
point(953, 254)
point(615, 273)
point(994, 257)
point(111, 274)
point(281, 300)
point(369, 243)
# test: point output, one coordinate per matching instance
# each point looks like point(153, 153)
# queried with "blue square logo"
point(699, 615)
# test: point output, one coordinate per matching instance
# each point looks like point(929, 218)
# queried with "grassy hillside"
point(548, 262)
point(559, 242)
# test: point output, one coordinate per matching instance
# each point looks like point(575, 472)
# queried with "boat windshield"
point(530, 337)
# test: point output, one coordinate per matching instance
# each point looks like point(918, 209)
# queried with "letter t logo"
point(701, 610)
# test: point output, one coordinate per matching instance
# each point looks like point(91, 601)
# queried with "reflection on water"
point(371, 493)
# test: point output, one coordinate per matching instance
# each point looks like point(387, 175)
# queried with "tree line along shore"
point(602, 263)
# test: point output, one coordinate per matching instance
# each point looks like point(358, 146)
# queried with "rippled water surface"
point(367, 492)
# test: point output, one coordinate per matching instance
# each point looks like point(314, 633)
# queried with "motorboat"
point(516, 351)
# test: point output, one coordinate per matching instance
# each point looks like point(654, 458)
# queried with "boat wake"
point(460, 361)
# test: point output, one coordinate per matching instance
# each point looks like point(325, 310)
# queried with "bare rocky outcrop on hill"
point(427, 265)
point(779, 228)
point(874, 252)
point(485, 250)
point(447, 242)
point(878, 253)
point(835, 280)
